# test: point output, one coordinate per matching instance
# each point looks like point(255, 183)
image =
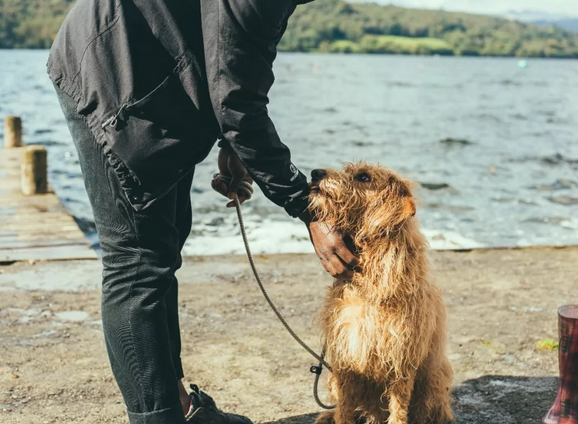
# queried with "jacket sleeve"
point(240, 39)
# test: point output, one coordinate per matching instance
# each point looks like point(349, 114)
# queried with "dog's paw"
point(327, 417)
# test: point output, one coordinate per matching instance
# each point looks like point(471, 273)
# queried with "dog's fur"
point(385, 329)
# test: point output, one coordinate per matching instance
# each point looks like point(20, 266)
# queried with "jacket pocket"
point(159, 138)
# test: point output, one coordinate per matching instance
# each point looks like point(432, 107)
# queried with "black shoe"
point(205, 411)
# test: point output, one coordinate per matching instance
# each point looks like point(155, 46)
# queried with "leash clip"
point(315, 370)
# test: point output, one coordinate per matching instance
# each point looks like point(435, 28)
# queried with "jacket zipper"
point(113, 120)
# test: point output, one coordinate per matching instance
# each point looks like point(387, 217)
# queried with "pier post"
point(12, 132)
point(34, 170)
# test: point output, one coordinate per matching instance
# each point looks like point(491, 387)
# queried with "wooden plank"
point(46, 253)
point(13, 244)
point(28, 238)
point(35, 227)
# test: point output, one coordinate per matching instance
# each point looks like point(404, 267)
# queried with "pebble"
point(72, 316)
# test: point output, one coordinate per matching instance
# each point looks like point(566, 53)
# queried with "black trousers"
point(140, 253)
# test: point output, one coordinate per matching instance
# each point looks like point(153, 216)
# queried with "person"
point(147, 87)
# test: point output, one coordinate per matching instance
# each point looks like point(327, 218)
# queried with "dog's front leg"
point(328, 417)
point(399, 399)
point(346, 404)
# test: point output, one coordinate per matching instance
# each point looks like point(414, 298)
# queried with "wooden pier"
point(34, 227)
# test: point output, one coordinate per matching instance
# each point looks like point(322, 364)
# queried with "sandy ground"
point(54, 369)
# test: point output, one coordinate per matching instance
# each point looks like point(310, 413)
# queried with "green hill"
point(335, 26)
point(31, 23)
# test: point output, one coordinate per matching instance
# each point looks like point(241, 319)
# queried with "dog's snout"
point(318, 174)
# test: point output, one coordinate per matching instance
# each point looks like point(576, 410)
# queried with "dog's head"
point(364, 201)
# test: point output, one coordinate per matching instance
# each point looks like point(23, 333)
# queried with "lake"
point(493, 144)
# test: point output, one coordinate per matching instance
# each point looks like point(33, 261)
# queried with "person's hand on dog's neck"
point(331, 249)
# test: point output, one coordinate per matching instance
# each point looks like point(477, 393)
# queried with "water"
point(507, 176)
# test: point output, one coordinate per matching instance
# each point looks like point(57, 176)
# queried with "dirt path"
point(54, 369)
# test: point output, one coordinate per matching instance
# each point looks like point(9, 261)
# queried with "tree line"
point(338, 26)
point(335, 26)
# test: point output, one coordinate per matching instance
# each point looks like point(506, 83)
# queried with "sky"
point(493, 7)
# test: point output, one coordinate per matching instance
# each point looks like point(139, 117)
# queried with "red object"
point(565, 409)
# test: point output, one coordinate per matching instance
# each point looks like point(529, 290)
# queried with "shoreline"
point(218, 256)
point(436, 56)
point(500, 303)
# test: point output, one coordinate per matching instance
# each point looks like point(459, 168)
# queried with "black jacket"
point(159, 81)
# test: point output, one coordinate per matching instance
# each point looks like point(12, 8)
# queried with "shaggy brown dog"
point(385, 329)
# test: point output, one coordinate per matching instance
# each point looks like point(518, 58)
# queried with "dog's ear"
point(386, 216)
point(408, 207)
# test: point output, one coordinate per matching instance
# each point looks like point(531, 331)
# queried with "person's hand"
point(231, 166)
point(331, 249)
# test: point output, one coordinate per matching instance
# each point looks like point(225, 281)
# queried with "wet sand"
point(501, 303)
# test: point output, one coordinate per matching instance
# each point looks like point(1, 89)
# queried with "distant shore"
point(501, 304)
point(337, 26)
point(348, 50)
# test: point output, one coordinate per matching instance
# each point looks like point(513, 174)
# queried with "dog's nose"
point(318, 174)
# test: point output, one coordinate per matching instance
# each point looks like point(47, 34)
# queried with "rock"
point(72, 316)
point(504, 399)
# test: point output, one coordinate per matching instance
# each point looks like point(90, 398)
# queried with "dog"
point(385, 330)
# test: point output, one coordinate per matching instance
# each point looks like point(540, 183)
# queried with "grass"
point(410, 42)
point(391, 44)
point(344, 46)
point(547, 344)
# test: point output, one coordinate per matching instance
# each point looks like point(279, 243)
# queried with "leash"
point(321, 358)
point(317, 370)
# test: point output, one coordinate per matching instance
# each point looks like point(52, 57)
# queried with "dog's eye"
point(363, 177)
